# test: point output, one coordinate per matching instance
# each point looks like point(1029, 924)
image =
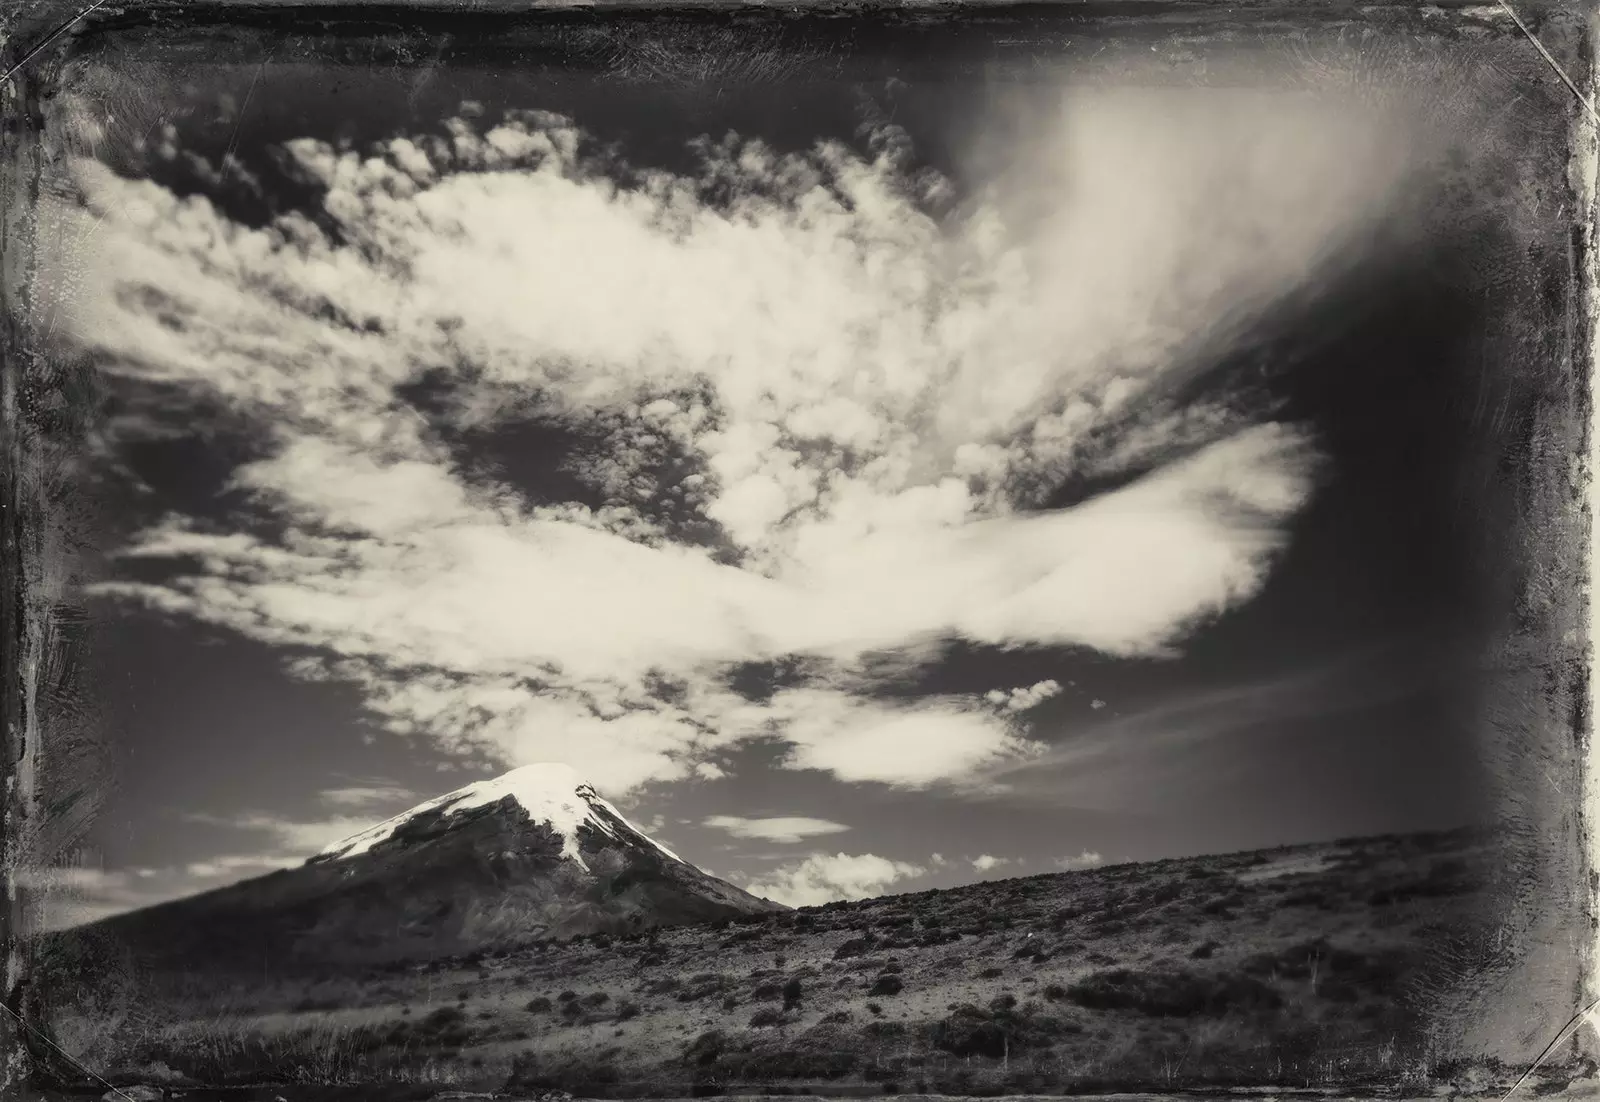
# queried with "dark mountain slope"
point(533, 854)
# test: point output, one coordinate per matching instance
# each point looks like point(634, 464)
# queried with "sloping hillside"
point(1300, 966)
point(532, 853)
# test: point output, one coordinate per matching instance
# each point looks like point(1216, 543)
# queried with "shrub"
point(1205, 952)
point(566, 996)
point(766, 1016)
point(588, 1075)
point(729, 1002)
point(1306, 897)
point(991, 973)
point(791, 1064)
point(445, 1026)
point(767, 992)
point(838, 1017)
point(875, 1008)
point(792, 993)
point(888, 984)
point(854, 947)
point(309, 1004)
point(705, 1049)
point(1003, 1002)
point(1223, 904)
point(627, 1010)
point(968, 1031)
point(599, 998)
point(1054, 992)
point(1172, 994)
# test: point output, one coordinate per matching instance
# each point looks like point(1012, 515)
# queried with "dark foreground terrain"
point(1301, 967)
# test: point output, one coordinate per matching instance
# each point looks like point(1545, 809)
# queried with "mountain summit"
point(549, 793)
point(532, 854)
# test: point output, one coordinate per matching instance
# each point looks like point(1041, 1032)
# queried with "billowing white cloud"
point(988, 862)
point(910, 744)
point(851, 394)
point(784, 828)
point(1020, 700)
point(823, 878)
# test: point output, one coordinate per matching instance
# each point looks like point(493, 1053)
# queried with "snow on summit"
point(549, 792)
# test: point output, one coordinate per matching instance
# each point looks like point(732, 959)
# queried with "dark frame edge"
point(30, 590)
point(21, 513)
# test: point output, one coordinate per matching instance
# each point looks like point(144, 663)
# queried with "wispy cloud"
point(285, 840)
point(829, 406)
point(56, 898)
point(368, 796)
point(239, 866)
point(1121, 760)
point(775, 829)
point(1085, 860)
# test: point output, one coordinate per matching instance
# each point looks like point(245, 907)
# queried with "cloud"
point(292, 841)
point(55, 898)
point(1020, 700)
point(987, 862)
point(822, 878)
point(777, 829)
point(368, 796)
point(827, 408)
point(68, 896)
point(1137, 760)
point(240, 866)
point(1085, 860)
point(911, 744)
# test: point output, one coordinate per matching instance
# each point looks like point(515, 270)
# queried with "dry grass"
point(1300, 968)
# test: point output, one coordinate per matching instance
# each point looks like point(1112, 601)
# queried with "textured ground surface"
point(1304, 967)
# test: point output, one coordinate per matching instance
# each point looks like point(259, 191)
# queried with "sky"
point(868, 485)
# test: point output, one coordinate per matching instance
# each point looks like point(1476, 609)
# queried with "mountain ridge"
point(534, 853)
point(1313, 965)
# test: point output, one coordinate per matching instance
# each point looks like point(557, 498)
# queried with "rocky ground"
point(1305, 967)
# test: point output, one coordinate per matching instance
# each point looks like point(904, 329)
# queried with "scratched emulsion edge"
point(18, 627)
point(23, 588)
point(33, 484)
point(31, 590)
point(1586, 181)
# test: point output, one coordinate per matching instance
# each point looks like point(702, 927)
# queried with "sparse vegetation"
point(889, 984)
point(1134, 978)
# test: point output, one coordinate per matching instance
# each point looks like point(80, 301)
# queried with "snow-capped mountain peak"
point(549, 792)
